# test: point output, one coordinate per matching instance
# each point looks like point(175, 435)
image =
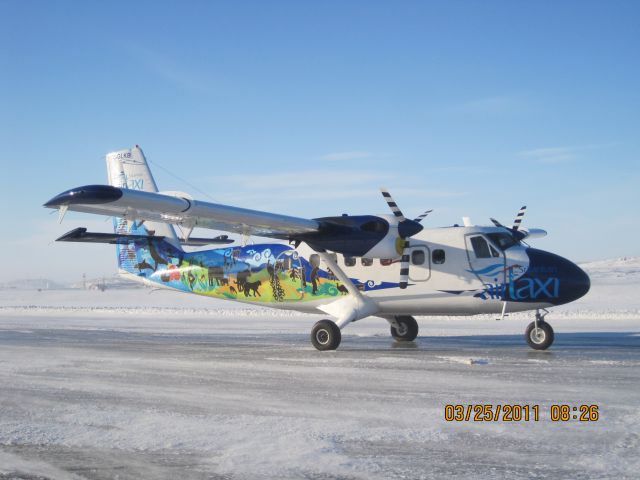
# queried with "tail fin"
point(128, 169)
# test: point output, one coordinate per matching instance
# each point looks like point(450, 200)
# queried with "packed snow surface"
point(136, 384)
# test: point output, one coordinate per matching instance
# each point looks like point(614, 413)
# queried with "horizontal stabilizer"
point(80, 234)
point(201, 242)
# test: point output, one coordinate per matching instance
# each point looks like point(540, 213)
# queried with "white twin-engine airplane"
point(349, 266)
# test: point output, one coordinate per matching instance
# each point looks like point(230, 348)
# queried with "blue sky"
point(306, 108)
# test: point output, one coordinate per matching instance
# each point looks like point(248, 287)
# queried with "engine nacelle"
point(390, 246)
point(371, 236)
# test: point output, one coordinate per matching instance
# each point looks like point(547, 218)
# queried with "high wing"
point(139, 205)
point(353, 235)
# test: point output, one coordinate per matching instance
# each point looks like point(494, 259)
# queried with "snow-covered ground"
point(135, 384)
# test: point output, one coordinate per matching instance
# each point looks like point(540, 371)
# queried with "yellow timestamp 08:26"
point(519, 413)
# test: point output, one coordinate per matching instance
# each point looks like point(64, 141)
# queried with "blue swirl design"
point(488, 271)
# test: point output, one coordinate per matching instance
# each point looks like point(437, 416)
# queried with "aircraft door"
point(487, 261)
point(420, 264)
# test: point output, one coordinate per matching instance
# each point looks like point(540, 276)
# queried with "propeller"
point(518, 219)
point(422, 217)
point(516, 223)
point(406, 229)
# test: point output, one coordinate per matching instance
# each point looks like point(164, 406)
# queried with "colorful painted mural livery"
point(264, 273)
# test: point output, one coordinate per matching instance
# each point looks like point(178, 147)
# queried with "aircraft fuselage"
point(454, 271)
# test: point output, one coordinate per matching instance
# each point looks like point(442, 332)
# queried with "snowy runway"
point(94, 394)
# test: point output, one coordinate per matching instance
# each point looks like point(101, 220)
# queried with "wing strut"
point(352, 307)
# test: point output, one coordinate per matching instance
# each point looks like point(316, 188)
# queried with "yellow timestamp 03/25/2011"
point(520, 413)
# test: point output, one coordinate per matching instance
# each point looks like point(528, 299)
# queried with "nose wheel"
point(539, 334)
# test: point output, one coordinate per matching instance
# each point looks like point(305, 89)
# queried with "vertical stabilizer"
point(129, 169)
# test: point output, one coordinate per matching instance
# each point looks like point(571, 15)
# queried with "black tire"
point(325, 335)
point(544, 338)
point(407, 331)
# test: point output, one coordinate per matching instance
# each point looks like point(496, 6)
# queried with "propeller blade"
point(497, 223)
point(518, 220)
point(422, 217)
point(404, 266)
point(392, 204)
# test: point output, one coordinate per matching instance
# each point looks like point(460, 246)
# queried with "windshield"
point(503, 240)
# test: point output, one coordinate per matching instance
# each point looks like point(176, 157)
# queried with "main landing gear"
point(325, 335)
point(404, 328)
point(539, 334)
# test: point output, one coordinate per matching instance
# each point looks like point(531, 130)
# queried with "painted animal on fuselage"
point(249, 287)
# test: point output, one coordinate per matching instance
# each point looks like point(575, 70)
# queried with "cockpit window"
point(480, 247)
point(502, 240)
point(483, 249)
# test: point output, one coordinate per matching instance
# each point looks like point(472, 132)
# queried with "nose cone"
point(574, 282)
point(565, 281)
point(582, 282)
point(87, 195)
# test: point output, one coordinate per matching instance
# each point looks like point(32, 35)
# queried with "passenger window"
point(367, 262)
point(480, 247)
point(385, 262)
point(417, 257)
point(494, 252)
point(349, 261)
point(438, 256)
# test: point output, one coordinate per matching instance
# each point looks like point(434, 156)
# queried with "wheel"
point(543, 339)
point(407, 330)
point(325, 335)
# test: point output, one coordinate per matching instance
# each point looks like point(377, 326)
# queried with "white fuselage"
point(431, 284)
point(442, 278)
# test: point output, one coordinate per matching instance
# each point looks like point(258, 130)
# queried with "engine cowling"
point(372, 236)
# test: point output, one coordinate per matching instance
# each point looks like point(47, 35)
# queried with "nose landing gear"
point(539, 334)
